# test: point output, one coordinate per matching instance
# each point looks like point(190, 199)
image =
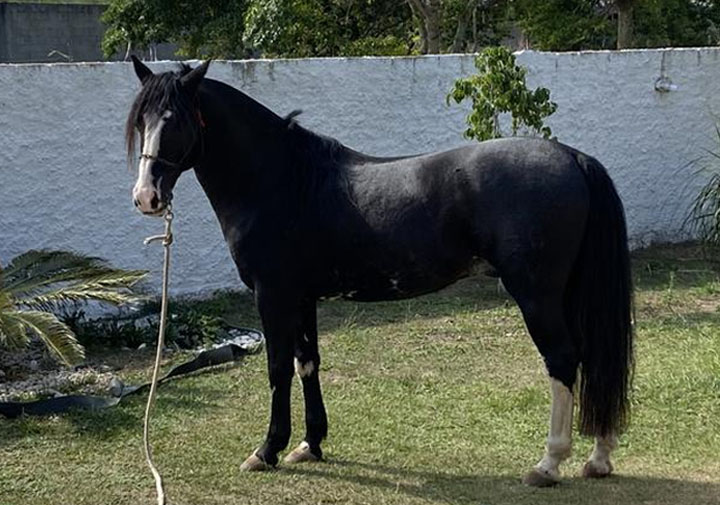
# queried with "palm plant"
point(37, 283)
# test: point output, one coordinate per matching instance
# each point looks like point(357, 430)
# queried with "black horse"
point(307, 218)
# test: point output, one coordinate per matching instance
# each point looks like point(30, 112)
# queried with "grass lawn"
point(441, 399)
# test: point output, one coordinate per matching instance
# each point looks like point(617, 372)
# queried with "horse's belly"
point(405, 281)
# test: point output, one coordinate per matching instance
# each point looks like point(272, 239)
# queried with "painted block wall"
point(65, 184)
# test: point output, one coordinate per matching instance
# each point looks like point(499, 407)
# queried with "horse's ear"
point(142, 71)
point(192, 79)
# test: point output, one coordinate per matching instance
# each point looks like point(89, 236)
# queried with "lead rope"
point(167, 239)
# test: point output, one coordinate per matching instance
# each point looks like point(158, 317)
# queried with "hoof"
point(254, 464)
point(595, 470)
point(301, 454)
point(539, 478)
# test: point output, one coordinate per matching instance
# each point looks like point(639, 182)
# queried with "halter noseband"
point(161, 160)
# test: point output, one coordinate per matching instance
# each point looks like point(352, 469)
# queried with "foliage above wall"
point(303, 28)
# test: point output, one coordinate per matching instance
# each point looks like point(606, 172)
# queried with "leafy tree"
point(303, 28)
point(602, 24)
point(663, 23)
point(200, 28)
point(562, 25)
point(499, 87)
point(131, 24)
point(36, 282)
point(458, 25)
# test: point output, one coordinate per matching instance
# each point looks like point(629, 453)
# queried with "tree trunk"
point(428, 13)
point(432, 25)
point(462, 25)
point(423, 37)
point(625, 23)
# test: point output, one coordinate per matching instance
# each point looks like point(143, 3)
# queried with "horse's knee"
point(280, 375)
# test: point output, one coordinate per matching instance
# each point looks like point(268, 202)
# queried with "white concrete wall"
point(64, 182)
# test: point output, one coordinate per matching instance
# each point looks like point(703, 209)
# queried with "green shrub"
point(499, 87)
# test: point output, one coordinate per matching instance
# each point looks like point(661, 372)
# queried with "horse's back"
point(517, 182)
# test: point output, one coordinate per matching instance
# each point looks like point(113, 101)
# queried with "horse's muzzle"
point(150, 202)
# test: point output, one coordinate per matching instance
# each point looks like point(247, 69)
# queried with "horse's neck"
point(255, 169)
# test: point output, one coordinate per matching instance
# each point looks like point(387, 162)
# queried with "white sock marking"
point(600, 457)
point(559, 441)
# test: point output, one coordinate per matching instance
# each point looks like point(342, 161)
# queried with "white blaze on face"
point(145, 191)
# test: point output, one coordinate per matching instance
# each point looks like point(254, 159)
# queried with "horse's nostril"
point(136, 202)
point(155, 202)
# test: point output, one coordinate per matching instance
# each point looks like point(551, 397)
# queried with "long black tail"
point(599, 308)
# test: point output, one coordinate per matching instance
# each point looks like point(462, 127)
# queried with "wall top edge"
point(268, 61)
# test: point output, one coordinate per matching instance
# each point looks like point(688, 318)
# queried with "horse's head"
point(167, 118)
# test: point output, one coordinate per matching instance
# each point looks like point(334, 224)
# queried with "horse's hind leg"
point(542, 309)
point(599, 464)
point(307, 367)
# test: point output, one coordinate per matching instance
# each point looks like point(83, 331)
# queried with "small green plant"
point(37, 283)
point(499, 87)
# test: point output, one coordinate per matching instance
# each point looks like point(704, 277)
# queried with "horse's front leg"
point(282, 322)
point(307, 367)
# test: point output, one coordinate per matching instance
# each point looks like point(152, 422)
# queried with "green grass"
point(437, 400)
